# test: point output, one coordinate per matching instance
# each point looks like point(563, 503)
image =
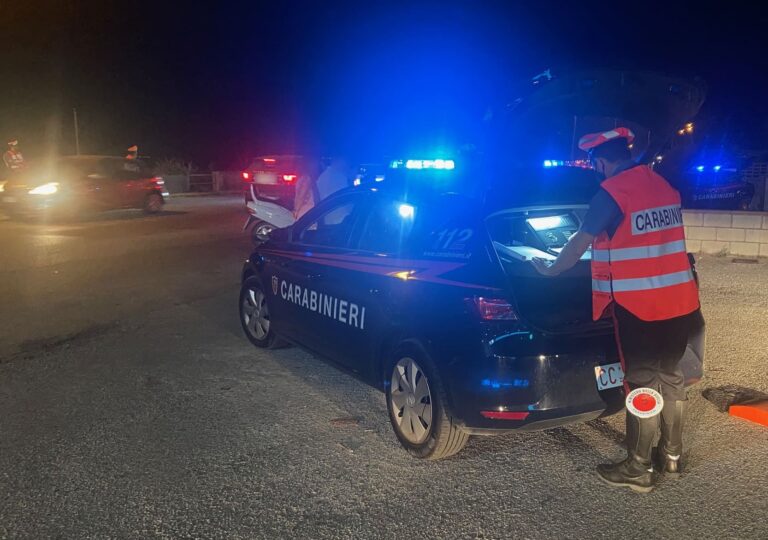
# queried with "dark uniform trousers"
point(652, 351)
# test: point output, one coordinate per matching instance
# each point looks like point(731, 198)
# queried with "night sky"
point(217, 84)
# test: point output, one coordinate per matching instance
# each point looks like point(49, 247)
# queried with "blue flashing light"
point(700, 168)
point(379, 178)
point(406, 211)
point(716, 168)
point(548, 163)
point(418, 164)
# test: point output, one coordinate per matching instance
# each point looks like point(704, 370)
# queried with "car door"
point(130, 184)
point(306, 310)
point(367, 277)
point(100, 181)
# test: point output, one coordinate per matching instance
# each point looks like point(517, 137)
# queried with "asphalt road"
point(132, 407)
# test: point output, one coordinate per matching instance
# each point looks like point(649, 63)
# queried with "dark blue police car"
point(429, 296)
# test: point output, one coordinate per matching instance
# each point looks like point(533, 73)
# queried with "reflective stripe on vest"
point(633, 253)
point(642, 284)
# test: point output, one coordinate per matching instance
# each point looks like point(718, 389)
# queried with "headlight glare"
point(46, 189)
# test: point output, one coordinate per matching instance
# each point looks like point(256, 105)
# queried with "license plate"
point(9, 199)
point(609, 376)
point(265, 178)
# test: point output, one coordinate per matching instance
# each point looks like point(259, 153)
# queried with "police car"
point(429, 296)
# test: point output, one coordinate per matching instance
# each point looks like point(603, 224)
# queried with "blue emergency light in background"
point(714, 168)
point(419, 164)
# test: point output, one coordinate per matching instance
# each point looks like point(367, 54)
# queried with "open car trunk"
point(561, 304)
point(534, 214)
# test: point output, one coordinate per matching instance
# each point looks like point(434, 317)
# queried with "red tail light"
point(495, 309)
point(158, 180)
point(246, 176)
point(505, 415)
point(289, 178)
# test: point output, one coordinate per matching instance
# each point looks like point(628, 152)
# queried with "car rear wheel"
point(416, 404)
point(153, 203)
point(254, 315)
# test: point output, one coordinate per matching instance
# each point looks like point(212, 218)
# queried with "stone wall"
point(726, 232)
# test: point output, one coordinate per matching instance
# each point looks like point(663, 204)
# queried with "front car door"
point(305, 310)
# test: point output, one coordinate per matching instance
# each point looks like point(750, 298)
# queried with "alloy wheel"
point(255, 313)
point(411, 401)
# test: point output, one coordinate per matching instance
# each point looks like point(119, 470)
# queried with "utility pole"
point(77, 134)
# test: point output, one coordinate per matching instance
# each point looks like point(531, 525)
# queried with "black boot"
point(667, 455)
point(635, 472)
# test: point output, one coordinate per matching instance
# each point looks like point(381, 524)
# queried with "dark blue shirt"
point(604, 213)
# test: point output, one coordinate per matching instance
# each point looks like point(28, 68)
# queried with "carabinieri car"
point(430, 296)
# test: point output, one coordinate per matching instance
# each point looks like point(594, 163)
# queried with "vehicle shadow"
point(366, 411)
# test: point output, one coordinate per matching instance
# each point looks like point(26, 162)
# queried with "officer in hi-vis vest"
point(642, 274)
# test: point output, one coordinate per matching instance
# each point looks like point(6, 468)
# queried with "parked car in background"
point(76, 185)
point(734, 194)
point(274, 178)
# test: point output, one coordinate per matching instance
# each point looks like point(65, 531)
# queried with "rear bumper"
point(544, 391)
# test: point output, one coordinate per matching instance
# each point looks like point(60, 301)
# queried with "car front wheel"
point(254, 315)
point(416, 404)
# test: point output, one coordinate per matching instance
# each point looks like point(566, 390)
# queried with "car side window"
point(387, 227)
point(123, 175)
point(332, 228)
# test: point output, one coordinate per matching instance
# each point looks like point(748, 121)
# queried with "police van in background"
point(429, 296)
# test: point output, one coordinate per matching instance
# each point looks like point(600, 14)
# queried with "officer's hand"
point(543, 267)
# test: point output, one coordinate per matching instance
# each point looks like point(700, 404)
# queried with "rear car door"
point(313, 313)
point(101, 181)
point(130, 183)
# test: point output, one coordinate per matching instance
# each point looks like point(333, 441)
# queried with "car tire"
point(416, 402)
point(153, 203)
point(254, 315)
point(257, 229)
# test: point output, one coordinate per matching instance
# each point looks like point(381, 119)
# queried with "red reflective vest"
point(644, 267)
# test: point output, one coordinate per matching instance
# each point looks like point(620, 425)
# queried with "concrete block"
point(718, 219)
point(701, 233)
point(765, 222)
point(693, 219)
point(757, 235)
point(731, 235)
point(746, 221)
point(714, 248)
point(692, 246)
point(745, 249)
point(764, 250)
